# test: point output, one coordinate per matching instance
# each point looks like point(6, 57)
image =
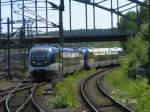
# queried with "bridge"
point(75, 36)
point(30, 22)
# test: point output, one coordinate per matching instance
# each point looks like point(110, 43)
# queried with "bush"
point(124, 88)
point(67, 91)
point(137, 55)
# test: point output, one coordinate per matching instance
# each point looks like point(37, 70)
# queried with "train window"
point(40, 53)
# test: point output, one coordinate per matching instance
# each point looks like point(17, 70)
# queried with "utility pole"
point(46, 19)
point(70, 15)
point(0, 18)
point(11, 3)
point(137, 18)
point(117, 11)
point(8, 47)
point(23, 16)
point(23, 34)
point(61, 38)
point(86, 17)
point(148, 3)
point(94, 15)
point(36, 24)
point(149, 17)
point(111, 15)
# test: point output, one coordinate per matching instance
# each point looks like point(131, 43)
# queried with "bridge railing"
point(89, 32)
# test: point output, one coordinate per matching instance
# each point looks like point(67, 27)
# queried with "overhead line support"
point(11, 11)
point(46, 18)
point(36, 17)
point(0, 17)
point(8, 48)
point(61, 37)
point(70, 15)
point(94, 15)
point(117, 11)
point(111, 15)
point(86, 17)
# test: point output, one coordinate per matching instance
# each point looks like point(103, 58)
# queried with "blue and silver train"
point(44, 60)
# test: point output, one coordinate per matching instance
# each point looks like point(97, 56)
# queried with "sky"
point(103, 20)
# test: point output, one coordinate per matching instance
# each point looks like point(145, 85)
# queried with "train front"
point(40, 61)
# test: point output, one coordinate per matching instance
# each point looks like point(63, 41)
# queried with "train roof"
point(83, 49)
point(116, 49)
point(43, 47)
point(69, 50)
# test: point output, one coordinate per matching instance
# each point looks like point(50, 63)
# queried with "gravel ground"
point(93, 92)
point(102, 103)
point(6, 84)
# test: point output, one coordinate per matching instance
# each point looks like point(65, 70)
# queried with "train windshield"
point(40, 53)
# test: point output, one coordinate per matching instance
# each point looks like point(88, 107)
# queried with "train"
point(44, 60)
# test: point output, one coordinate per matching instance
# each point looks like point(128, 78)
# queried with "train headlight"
point(33, 62)
point(45, 61)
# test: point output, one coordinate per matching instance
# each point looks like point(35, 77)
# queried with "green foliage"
point(65, 98)
point(67, 91)
point(127, 89)
point(127, 25)
point(144, 28)
point(93, 44)
point(137, 54)
point(144, 13)
point(142, 17)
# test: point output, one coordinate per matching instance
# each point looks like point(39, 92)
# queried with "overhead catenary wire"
point(30, 17)
point(44, 19)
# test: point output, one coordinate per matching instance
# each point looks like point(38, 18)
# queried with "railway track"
point(3, 96)
point(96, 98)
point(23, 101)
point(20, 98)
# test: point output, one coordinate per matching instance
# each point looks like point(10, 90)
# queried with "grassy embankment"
point(133, 93)
point(66, 96)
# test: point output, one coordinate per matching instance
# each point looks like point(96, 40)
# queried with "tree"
point(126, 25)
point(144, 13)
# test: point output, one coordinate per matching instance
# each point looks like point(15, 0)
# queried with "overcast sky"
point(103, 20)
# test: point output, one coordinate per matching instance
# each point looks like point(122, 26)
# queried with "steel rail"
point(10, 94)
point(120, 105)
point(26, 102)
point(31, 98)
point(83, 93)
point(9, 97)
point(89, 103)
point(36, 106)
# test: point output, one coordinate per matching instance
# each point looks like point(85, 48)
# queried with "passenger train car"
point(44, 60)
